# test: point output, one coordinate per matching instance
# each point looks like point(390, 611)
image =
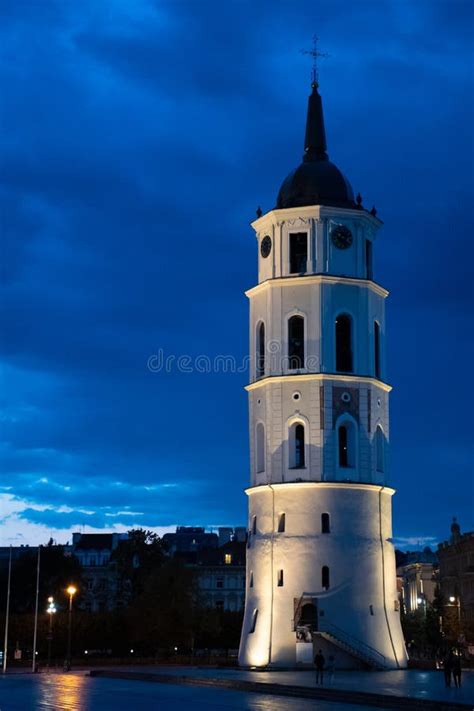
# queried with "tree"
point(136, 558)
point(166, 615)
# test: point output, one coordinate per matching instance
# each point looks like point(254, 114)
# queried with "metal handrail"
point(353, 641)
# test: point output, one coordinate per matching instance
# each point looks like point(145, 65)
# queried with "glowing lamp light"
point(50, 599)
point(71, 590)
point(452, 599)
point(419, 600)
point(131, 651)
point(86, 651)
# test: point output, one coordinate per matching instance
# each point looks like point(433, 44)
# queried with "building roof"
point(95, 541)
point(316, 181)
point(212, 557)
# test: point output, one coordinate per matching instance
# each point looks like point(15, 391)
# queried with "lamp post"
point(51, 609)
point(71, 591)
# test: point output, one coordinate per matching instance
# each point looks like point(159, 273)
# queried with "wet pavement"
point(78, 692)
point(412, 683)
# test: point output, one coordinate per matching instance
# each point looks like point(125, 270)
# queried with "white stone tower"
point(320, 562)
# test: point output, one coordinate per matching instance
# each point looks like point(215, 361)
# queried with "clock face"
point(341, 237)
point(266, 246)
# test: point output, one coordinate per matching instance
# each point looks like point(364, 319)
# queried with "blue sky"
point(137, 140)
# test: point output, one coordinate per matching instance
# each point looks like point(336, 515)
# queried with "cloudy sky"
point(138, 137)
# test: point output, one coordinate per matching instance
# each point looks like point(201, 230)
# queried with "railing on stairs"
point(356, 646)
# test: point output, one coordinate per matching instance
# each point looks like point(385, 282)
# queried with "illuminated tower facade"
point(320, 561)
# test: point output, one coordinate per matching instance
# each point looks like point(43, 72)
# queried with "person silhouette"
point(447, 668)
point(319, 662)
point(457, 671)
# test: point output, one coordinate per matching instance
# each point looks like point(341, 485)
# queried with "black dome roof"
point(316, 181)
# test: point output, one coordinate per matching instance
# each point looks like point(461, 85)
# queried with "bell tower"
point(320, 562)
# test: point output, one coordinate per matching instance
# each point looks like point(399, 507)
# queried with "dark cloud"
point(137, 140)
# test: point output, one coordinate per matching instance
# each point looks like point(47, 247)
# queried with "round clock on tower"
point(320, 562)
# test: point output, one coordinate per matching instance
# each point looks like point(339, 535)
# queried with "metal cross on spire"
point(315, 54)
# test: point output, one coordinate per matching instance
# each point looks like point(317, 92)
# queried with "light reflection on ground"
point(78, 692)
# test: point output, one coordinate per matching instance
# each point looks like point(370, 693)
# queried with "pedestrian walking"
point(319, 662)
point(457, 671)
point(330, 668)
point(447, 668)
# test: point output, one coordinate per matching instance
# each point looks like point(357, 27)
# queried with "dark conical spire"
point(316, 181)
point(315, 139)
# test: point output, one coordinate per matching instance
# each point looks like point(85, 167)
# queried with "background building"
point(456, 578)
point(417, 586)
point(101, 584)
point(219, 567)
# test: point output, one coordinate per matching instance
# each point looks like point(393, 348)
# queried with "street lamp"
point(71, 591)
point(51, 609)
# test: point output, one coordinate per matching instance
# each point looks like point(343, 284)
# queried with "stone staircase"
point(352, 646)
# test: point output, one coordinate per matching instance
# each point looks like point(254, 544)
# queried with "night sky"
point(138, 138)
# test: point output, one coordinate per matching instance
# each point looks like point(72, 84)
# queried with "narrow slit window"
point(260, 448)
point(251, 579)
point(281, 523)
point(343, 458)
point(296, 342)
point(371, 609)
point(344, 359)
point(325, 577)
point(377, 349)
point(379, 448)
point(280, 578)
point(254, 621)
point(325, 523)
point(346, 435)
point(368, 258)
point(260, 370)
point(297, 446)
point(254, 525)
point(298, 252)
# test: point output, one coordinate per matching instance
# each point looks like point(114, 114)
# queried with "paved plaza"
point(78, 692)
point(408, 683)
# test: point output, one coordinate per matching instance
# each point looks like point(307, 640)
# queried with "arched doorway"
point(309, 616)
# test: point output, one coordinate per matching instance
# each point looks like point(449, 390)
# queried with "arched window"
point(297, 446)
point(260, 448)
point(295, 342)
point(344, 344)
point(260, 350)
point(377, 349)
point(325, 577)
point(325, 523)
point(298, 252)
point(379, 448)
point(347, 444)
